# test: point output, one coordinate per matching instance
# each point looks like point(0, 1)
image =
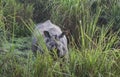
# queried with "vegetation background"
point(94, 39)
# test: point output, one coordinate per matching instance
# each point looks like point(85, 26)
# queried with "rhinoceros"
point(53, 37)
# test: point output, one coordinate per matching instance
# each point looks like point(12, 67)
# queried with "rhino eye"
point(52, 46)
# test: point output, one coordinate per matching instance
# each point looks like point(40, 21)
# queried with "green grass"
point(86, 63)
point(93, 51)
point(17, 60)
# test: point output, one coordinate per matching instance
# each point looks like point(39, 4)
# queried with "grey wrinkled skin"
point(53, 37)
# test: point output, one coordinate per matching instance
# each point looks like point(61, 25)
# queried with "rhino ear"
point(46, 33)
point(62, 34)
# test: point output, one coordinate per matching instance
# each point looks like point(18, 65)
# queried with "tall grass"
point(12, 18)
point(96, 54)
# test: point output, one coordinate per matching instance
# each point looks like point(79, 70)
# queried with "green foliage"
point(90, 63)
point(41, 10)
point(12, 14)
point(86, 19)
point(96, 54)
point(66, 14)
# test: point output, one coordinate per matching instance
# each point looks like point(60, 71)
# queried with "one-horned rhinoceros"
point(53, 37)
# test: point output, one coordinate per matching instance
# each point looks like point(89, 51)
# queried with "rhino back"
point(48, 26)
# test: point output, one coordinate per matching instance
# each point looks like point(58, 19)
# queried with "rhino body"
point(53, 37)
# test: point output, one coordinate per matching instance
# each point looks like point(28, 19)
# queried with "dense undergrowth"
point(94, 41)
